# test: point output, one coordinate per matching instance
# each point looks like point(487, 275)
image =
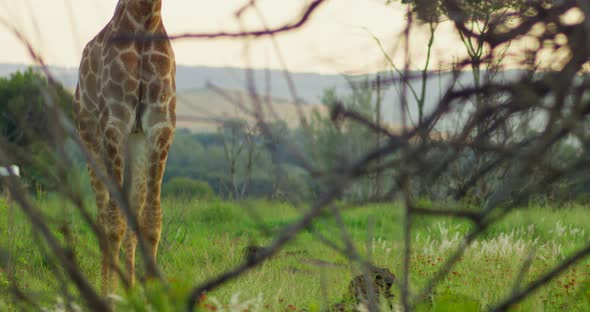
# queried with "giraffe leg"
point(129, 245)
point(136, 176)
point(102, 199)
point(116, 223)
point(116, 229)
point(87, 127)
point(159, 140)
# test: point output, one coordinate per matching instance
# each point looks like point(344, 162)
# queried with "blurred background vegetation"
point(238, 161)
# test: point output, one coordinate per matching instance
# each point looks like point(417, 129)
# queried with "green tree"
point(25, 120)
point(187, 188)
point(23, 113)
point(475, 20)
point(337, 143)
point(473, 17)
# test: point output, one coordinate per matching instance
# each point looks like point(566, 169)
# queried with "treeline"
point(241, 160)
point(244, 159)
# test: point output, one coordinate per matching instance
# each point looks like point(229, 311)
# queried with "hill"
point(193, 82)
point(201, 110)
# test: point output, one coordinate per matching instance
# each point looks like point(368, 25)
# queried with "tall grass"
point(204, 238)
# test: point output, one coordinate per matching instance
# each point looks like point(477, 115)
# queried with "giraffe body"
point(125, 114)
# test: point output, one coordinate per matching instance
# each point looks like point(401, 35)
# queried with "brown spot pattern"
point(111, 84)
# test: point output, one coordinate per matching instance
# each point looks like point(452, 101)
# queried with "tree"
point(240, 142)
point(562, 94)
point(474, 17)
point(336, 143)
point(476, 20)
point(23, 114)
point(25, 119)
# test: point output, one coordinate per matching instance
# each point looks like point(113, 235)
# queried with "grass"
point(202, 239)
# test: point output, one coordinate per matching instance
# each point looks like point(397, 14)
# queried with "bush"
point(187, 188)
point(25, 120)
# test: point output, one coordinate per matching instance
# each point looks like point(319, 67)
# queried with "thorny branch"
point(305, 17)
point(494, 156)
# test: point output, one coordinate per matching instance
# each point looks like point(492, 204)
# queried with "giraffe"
point(125, 114)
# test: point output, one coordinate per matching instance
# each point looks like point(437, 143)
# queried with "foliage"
point(338, 143)
point(25, 121)
point(23, 113)
point(469, 10)
point(181, 187)
point(491, 254)
point(222, 159)
point(330, 145)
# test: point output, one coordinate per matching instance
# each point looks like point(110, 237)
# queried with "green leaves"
point(431, 11)
point(25, 121)
point(23, 114)
point(187, 188)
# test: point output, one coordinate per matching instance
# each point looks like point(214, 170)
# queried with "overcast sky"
point(335, 41)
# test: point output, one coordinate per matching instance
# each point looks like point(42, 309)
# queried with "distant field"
point(201, 110)
point(201, 239)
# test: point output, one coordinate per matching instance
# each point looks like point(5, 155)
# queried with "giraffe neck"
point(144, 15)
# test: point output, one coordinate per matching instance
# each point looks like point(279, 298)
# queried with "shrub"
point(24, 120)
point(187, 188)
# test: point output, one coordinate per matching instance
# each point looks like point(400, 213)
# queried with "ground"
point(201, 239)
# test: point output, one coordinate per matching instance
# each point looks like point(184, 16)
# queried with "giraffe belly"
point(137, 163)
point(138, 150)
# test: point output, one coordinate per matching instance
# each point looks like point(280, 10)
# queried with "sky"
point(337, 40)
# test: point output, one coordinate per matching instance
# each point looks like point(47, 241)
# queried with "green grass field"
point(202, 239)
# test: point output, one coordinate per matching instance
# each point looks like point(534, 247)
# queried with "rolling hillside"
point(199, 105)
point(202, 110)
